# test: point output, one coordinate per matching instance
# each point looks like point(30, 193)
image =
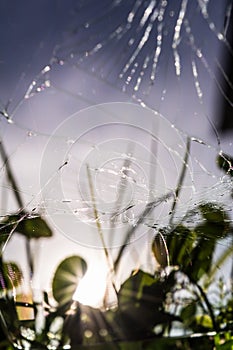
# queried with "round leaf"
point(160, 251)
point(66, 278)
point(10, 275)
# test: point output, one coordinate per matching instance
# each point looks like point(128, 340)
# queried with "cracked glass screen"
point(116, 127)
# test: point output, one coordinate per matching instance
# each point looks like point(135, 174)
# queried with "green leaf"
point(213, 227)
point(141, 306)
point(10, 275)
point(192, 250)
point(131, 289)
point(160, 251)
point(213, 213)
point(66, 278)
point(216, 222)
point(223, 341)
point(228, 345)
point(34, 228)
point(201, 260)
point(198, 323)
point(8, 226)
point(211, 231)
point(31, 227)
point(188, 313)
point(180, 243)
point(204, 321)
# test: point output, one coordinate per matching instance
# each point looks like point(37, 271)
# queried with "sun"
point(91, 289)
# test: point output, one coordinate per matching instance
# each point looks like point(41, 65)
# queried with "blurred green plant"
point(151, 307)
point(31, 226)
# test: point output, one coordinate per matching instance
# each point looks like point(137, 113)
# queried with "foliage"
point(148, 306)
point(151, 307)
point(26, 225)
point(67, 277)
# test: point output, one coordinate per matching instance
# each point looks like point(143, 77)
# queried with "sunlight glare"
point(91, 288)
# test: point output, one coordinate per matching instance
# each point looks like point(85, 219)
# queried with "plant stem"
point(120, 195)
point(149, 207)
point(181, 179)
point(10, 176)
point(99, 228)
point(98, 224)
point(209, 307)
point(18, 198)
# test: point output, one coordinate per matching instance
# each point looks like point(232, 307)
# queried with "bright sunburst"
point(91, 289)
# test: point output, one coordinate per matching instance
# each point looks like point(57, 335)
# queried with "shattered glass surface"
point(124, 109)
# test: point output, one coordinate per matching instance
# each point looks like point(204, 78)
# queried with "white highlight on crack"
point(144, 38)
point(159, 39)
point(196, 81)
point(177, 38)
